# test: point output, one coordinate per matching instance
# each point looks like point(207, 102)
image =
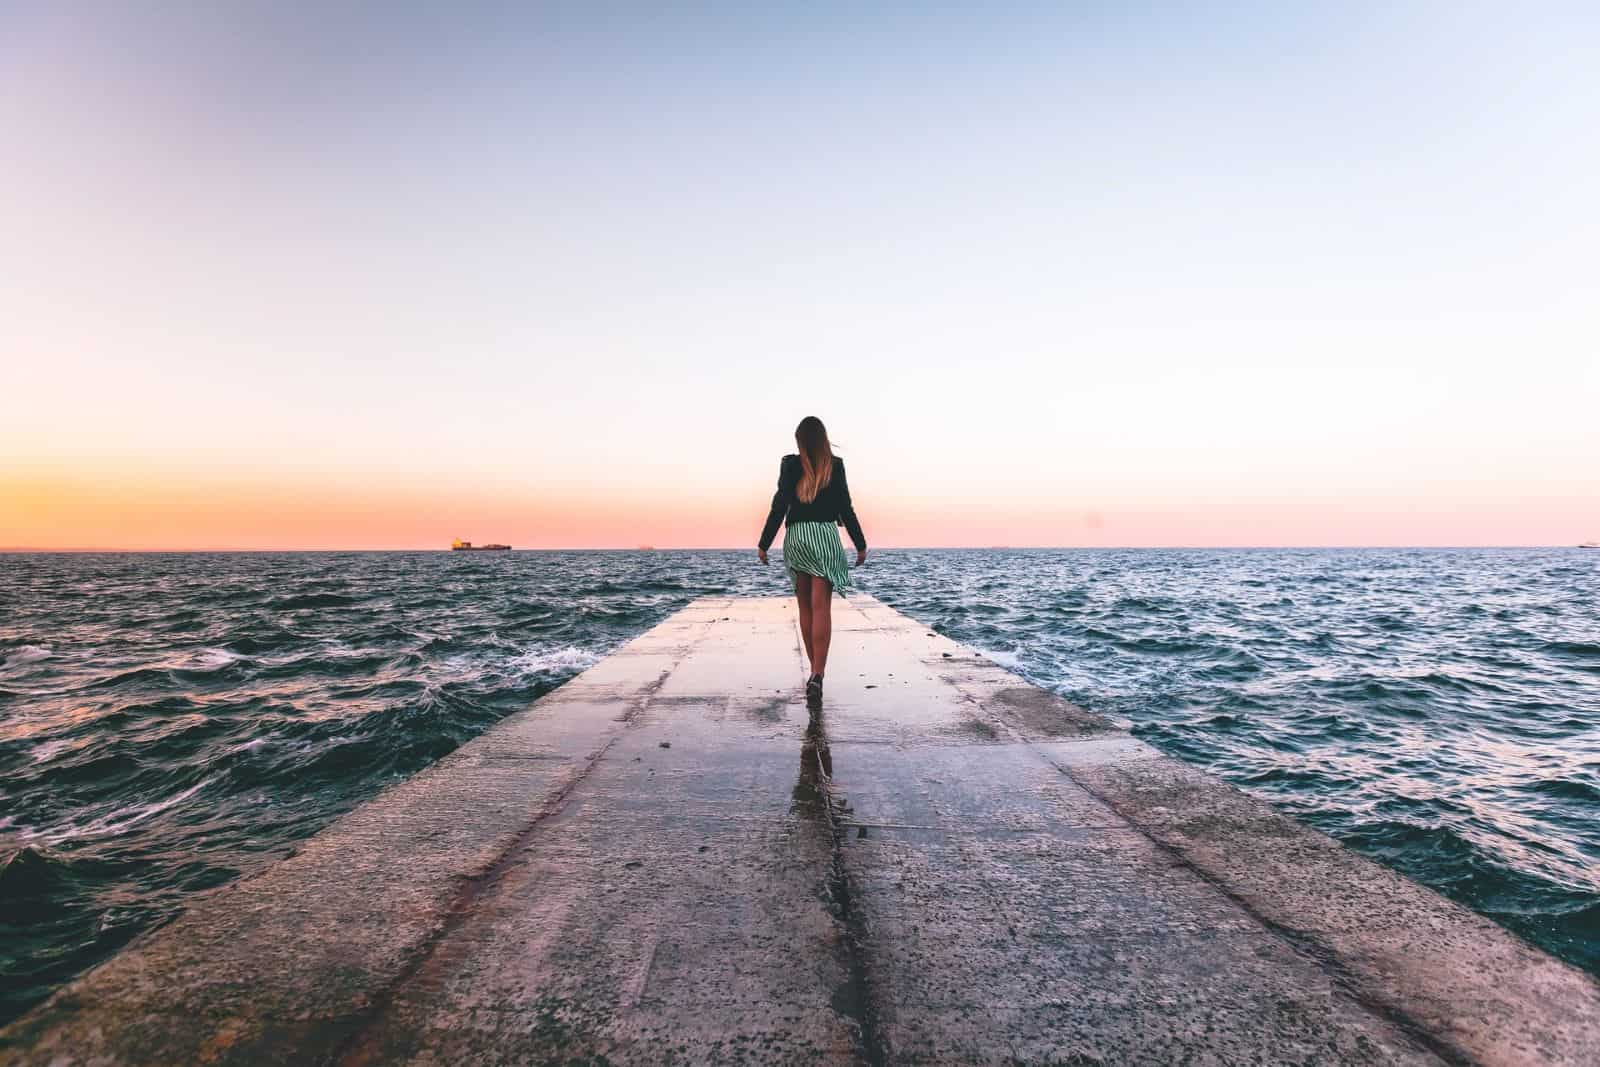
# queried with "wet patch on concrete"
point(977, 729)
point(1037, 712)
point(769, 711)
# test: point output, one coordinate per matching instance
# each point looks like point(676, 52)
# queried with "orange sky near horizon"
point(216, 516)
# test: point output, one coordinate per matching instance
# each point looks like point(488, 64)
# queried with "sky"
point(350, 275)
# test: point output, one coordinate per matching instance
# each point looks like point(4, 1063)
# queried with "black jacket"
point(831, 505)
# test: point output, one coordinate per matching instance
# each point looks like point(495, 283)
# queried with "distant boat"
point(647, 548)
point(459, 545)
point(1590, 544)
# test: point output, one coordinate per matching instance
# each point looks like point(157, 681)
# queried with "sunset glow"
point(1052, 277)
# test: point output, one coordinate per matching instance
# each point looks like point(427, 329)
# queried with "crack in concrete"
point(362, 1045)
point(1324, 957)
point(855, 999)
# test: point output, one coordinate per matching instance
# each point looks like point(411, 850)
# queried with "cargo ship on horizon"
point(459, 545)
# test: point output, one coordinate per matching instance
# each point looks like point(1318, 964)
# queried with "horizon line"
point(19, 550)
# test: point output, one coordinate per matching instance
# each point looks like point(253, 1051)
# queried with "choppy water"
point(168, 722)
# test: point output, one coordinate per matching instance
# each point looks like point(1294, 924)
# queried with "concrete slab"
point(667, 860)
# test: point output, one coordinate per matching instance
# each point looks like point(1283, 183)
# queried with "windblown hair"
point(816, 458)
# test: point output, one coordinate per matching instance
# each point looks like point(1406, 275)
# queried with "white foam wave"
point(560, 659)
point(30, 654)
point(339, 650)
point(210, 659)
point(123, 818)
point(1005, 659)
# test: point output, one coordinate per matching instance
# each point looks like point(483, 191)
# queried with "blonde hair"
point(816, 458)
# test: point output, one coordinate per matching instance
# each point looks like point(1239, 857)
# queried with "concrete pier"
point(666, 861)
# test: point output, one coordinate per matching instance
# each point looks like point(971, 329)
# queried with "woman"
point(812, 498)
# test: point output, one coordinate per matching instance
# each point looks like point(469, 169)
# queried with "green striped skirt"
point(814, 548)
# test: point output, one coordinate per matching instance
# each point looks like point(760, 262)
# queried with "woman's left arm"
point(847, 515)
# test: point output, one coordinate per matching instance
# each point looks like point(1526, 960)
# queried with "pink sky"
point(1051, 279)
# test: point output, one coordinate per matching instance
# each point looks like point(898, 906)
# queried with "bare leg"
point(821, 623)
point(802, 595)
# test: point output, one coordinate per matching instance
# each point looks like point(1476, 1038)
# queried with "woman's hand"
point(761, 552)
point(861, 556)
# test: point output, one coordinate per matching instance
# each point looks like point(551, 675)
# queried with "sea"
point(169, 723)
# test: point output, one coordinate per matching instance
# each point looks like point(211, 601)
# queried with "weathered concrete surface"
point(665, 861)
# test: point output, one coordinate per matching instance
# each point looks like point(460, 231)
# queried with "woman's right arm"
point(780, 508)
